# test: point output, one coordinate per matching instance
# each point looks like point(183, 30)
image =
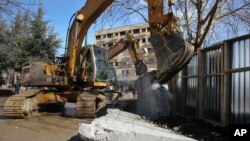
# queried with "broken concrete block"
point(123, 126)
point(153, 99)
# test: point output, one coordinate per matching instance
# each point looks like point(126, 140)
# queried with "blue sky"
point(58, 13)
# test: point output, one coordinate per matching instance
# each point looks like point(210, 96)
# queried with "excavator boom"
point(132, 45)
point(83, 20)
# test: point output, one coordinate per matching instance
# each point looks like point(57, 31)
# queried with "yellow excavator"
point(84, 76)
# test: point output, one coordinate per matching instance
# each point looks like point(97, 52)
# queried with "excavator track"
point(28, 103)
point(21, 105)
point(86, 105)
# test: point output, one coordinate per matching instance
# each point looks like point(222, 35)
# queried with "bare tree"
point(123, 12)
point(11, 7)
point(210, 17)
point(199, 18)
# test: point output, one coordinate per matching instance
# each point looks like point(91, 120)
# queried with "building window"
point(122, 33)
point(143, 40)
point(110, 44)
point(136, 31)
point(128, 63)
point(116, 34)
point(110, 35)
point(115, 63)
point(148, 29)
point(143, 30)
point(121, 64)
point(104, 36)
point(125, 73)
point(98, 37)
point(103, 45)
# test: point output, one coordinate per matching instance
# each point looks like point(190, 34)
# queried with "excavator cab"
point(95, 66)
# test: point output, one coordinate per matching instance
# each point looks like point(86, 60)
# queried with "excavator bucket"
point(140, 68)
point(171, 50)
point(172, 53)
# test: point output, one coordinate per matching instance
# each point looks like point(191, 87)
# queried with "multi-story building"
point(123, 63)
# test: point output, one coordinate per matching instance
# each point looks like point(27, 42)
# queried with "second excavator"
point(132, 45)
point(84, 76)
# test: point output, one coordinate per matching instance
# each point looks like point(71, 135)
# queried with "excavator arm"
point(131, 44)
point(83, 20)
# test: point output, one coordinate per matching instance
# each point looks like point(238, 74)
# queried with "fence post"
point(184, 91)
point(225, 91)
point(201, 62)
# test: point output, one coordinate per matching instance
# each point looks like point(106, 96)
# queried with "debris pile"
point(123, 126)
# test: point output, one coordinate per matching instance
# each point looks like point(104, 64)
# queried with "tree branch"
point(209, 24)
point(199, 21)
point(134, 10)
point(187, 21)
point(233, 11)
point(213, 9)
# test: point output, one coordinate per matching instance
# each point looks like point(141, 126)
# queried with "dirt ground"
point(45, 127)
point(194, 128)
point(63, 126)
point(56, 125)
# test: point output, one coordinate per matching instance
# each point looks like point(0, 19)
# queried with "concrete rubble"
point(123, 126)
point(153, 99)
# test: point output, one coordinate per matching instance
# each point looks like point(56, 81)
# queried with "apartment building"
point(123, 63)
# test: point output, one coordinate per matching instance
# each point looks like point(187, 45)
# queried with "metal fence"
point(212, 84)
point(240, 84)
point(192, 85)
point(215, 85)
